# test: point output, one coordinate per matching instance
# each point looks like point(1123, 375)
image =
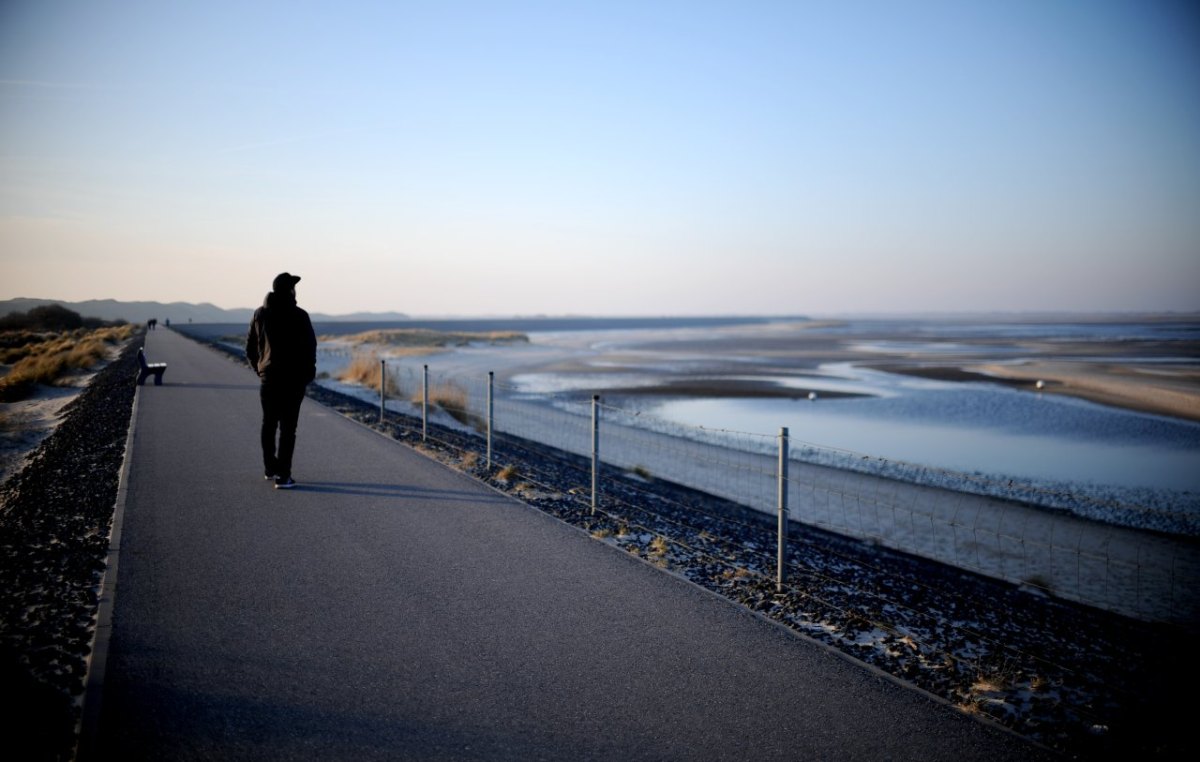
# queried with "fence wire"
point(901, 506)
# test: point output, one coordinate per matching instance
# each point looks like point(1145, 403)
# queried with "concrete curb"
point(89, 721)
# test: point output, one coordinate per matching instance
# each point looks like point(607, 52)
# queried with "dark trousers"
point(281, 409)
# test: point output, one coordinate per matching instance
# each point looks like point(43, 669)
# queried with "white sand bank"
point(1164, 390)
point(24, 424)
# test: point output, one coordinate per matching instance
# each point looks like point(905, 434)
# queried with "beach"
point(1142, 374)
point(1130, 385)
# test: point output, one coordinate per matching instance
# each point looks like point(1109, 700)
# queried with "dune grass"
point(452, 398)
point(365, 369)
point(52, 358)
point(410, 341)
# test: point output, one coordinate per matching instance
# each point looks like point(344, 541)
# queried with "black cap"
point(284, 282)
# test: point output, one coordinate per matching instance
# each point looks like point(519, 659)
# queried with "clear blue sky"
point(604, 157)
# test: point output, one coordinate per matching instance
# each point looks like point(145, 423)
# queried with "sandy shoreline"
point(735, 388)
point(1130, 386)
point(1144, 375)
point(25, 423)
point(1144, 388)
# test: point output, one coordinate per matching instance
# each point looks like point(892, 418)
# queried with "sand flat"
point(1173, 391)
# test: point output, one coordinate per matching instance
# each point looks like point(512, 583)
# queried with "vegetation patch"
point(452, 398)
point(423, 339)
point(366, 370)
point(51, 346)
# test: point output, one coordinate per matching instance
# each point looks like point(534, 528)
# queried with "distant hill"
point(176, 312)
point(356, 317)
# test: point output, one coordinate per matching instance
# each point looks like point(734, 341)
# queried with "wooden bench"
point(156, 368)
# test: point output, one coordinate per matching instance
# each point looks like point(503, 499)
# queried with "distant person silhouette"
point(282, 348)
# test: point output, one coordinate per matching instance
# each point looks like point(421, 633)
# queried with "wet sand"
point(727, 388)
point(1125, 386)
point(1149, 389)
point(1150, 376)
point(1134, 366)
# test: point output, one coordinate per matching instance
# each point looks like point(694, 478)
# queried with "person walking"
point(282, 348)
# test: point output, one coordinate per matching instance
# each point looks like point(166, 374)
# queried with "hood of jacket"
point(276, 300)
point(281, 345)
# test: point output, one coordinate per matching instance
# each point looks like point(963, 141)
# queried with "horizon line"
point(848, 314)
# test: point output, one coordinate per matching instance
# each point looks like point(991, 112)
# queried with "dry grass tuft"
point(364, 369)
point(985, 684)
point(51, 358)
point(452, 398)
point(642, 472)
point(507, 474)
point(658, 546)
point(416, 341)
point(906, 640)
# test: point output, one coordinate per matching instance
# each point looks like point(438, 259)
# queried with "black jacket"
point(281, 345)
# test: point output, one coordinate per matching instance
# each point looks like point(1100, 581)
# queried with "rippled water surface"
point(979, 429)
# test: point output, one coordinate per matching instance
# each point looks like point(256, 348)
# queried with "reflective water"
point(983, 429)
point(1012, 438)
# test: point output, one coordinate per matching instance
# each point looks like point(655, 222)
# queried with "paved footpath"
point(392, 608)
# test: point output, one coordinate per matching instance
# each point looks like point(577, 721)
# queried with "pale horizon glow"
point(604, 158)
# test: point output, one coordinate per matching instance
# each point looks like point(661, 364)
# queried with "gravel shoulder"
point(55, 515)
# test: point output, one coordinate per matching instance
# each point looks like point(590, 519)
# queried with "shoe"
point(284, 482)
point(269, 476)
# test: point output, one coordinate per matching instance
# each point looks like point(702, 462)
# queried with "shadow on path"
point(186, 385)
point(396, 490)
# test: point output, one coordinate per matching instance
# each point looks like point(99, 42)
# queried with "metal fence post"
point(490, 417)
point(382, 386)
point(425, 403)
point(595, 449)
point(783, 515)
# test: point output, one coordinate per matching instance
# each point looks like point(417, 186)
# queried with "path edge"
point(87, 729)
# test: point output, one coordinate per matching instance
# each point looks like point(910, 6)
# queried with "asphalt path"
point(392, 608)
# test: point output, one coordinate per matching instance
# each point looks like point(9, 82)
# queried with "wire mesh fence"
point(892, 504)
